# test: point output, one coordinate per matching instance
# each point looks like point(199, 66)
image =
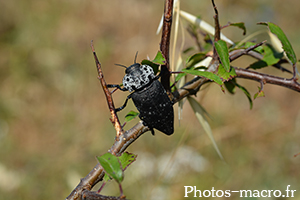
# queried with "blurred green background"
point(54, 118)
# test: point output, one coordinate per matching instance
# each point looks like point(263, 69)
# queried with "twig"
point(236, 54)
point(217, 24)
point(89, 195)
point(217, 32)
point(265, 78)
point(165, 44)
point(114, 118)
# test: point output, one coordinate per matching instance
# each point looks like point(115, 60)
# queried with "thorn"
point(92, 46)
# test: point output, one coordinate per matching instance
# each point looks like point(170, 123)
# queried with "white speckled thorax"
point(137, 76)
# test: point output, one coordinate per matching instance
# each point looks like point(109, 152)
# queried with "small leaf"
point(126, 159)
point(258, 64)
point(111, 166)
point(188, 49)
point(194, 59)
point(230, 86)
point(222, 51)
point(270, 58)
point(159, 58)
point(224, 75)
point(200, 114)
point(259, 49)
point(260, 93)
point(286, 45)
point(152, 64)
point(106, 178)
point(179, 76)
point(205, 74)
point(240, 25)
point(246, 93)
point(130, 116)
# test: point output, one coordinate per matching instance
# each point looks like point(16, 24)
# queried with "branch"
point(86, 194)
point(165, 44)
point(217, 31)
point(265, 78)
point(97, 173)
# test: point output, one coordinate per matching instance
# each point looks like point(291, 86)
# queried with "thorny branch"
point(114, 118)
point(124, 139)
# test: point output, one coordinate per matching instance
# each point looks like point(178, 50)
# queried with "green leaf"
point(222, 51)
point(260, 93)
point(270, 58)
point(246, 93)
point(194, 59)
point(240, 25)
point(205, 74)
point(224, 75)
point(286, 45)
point(258, 64)
point(179, 76)
point(259, 49)
point(126, 159)
point(130, 116)
point(188, 50)
point(152, 64)
point(200, 114)
point(159, 59)
point(106, 178)
point(111, 166)
point(230, 86)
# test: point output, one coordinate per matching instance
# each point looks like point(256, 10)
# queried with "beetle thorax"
point(137, 76)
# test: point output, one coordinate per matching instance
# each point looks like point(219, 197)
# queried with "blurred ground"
point(54, 119)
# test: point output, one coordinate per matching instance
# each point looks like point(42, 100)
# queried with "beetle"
point(149, 97)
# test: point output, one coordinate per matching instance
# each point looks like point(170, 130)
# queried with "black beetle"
point(149, 97)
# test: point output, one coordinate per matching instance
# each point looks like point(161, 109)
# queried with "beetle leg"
point(116, 86)
point(124, 105)
point(152, 131)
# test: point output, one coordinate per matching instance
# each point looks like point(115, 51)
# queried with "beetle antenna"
point(135, 57)
point(121, 65)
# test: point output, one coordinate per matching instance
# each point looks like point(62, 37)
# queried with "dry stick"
point(114, 118)
point(165, 44)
